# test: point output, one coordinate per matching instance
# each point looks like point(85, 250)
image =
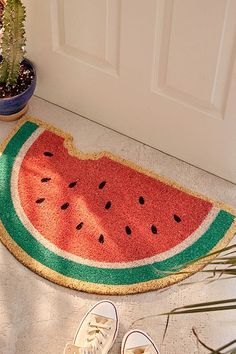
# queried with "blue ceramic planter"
point(12, 105)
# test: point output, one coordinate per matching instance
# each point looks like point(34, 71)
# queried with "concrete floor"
point(39, 317)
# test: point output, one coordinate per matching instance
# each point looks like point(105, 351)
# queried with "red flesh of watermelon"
point(130, 216)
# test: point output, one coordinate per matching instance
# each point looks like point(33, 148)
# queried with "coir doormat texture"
point(98, 223)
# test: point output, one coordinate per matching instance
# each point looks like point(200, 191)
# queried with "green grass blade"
point(227, 345)
point(209, 303)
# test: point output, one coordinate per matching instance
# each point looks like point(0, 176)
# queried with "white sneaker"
point(97, 331)
point(138, 342)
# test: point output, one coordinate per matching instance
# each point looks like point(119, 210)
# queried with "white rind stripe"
point(34, 232)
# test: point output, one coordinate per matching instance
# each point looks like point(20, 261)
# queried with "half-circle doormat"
point(98, 223)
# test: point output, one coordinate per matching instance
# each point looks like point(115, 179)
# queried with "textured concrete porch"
point(39, 317)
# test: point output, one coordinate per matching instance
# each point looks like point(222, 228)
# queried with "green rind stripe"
point(111, 276)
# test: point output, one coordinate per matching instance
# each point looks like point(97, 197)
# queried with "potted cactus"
point(17, 74)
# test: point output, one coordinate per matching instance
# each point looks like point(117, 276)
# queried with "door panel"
point(160, 71)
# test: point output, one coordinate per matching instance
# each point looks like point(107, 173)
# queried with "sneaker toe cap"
point(106, 309)
point(136, 339)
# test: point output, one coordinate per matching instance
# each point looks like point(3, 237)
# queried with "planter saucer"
point(14, 116)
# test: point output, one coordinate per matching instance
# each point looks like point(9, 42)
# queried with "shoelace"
point(79, 350)
point(87, 351)
point(97, 332)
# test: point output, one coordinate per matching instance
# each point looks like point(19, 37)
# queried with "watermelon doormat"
point(98, 223)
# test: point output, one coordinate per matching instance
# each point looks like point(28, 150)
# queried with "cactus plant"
point(13, 42)
point(1, 12)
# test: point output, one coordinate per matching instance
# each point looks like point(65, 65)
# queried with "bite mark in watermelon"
point(100, 219)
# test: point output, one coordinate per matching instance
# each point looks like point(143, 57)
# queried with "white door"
point(160, 71)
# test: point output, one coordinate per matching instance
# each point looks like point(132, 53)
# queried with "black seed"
point(154, 229)
point(79, 226)
point(141, 200)
point(108, 205)
point(102, 184)
point(177, 218)
point(128, 230)
point(65, 206)
point(40, 200)
point(101, 239)
point(48, 153)
point(45, 179)
point(72, 184)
